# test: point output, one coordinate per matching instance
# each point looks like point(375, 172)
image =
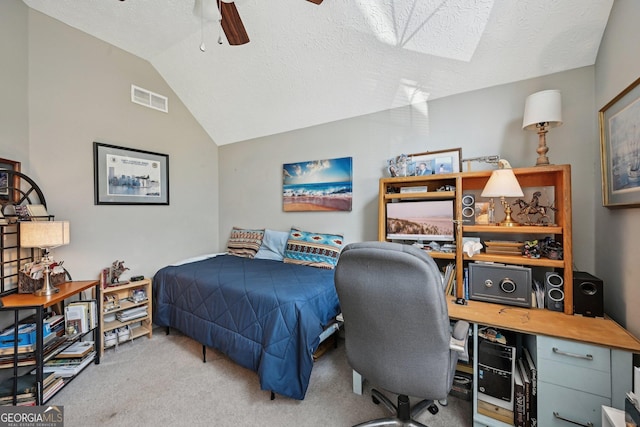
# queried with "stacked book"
point(132, 313)
point(80, 316)
point(51, 385)
point(500, 247)
point(525, 391)
point(449, 279)
point(26, 389)
point(72, 359)
point(26, 346)
point(56, 324)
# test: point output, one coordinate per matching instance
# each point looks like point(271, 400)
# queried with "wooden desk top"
point(599, 331)
point(67, 289)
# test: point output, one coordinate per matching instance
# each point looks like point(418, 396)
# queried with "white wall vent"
point(149, 99)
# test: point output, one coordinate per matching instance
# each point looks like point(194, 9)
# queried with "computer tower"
point(496, 364)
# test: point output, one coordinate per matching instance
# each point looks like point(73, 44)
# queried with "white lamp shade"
point(44, 234)
point(502, 183)
point(542, 107)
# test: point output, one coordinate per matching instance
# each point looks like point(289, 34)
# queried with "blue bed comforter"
point(265, 315)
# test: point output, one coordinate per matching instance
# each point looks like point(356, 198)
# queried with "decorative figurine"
point(531, 249)
point(117, 268)
point(551, 248)
point(534, 208)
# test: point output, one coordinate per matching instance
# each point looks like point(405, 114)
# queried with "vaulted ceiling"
point(308, 64)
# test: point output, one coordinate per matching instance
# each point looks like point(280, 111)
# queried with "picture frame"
point(482, 215)
point(318, 185)
point(435, 162)
point(128, 176)
point(14, 166)
point(619, 122)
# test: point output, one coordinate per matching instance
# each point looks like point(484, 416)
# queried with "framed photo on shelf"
point(435, 162)
point(482, 212)
point(126, 176)
point(5, 185)
point(620, 148)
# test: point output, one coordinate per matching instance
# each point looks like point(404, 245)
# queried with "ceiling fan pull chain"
point(220, 24)
point(202, 46)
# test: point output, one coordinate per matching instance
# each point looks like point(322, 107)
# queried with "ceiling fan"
point(227, 13)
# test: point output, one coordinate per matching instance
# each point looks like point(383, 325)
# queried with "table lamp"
point(542, 111)
point(503, 183)
point(44, 235)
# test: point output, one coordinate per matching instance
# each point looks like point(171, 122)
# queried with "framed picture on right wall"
point(620, 148)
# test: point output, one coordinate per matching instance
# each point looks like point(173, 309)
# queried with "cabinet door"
point(561, 407)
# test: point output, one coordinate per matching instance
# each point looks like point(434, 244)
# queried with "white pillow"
point(273, 245)
point(197, 258)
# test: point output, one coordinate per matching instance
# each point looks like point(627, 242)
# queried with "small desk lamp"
point(44, 235)
point(503, 183)
point(542, 110)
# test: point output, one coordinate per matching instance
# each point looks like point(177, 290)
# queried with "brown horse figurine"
point(533, 208)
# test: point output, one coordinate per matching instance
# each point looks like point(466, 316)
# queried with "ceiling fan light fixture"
point(207, 10)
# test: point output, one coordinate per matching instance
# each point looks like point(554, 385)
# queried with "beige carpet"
point(162, 381)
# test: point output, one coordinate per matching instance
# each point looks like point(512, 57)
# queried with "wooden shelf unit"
point(123, 294)
point(557, 177)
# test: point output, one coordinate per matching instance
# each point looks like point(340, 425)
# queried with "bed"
point(265, 314)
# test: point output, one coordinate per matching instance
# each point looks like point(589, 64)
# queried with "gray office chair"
point(397, 329)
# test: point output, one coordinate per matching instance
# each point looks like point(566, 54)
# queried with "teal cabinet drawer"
point(573, 353)
point(562, 407)
point(575, 377)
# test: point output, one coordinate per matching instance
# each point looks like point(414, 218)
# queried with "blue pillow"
point(314, 249)
point(273, 245)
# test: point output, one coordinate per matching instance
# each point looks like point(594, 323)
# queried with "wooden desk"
point(546, 325)
point(570, 351)
point(67, 289)
point(604, 332)
point(17, 302)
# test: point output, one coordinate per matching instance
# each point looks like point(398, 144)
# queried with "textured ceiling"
point(309, 64)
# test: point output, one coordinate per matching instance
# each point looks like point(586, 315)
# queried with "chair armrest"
point(459, 337)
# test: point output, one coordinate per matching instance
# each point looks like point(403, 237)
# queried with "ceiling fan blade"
point(232, 24)
point(315, 1)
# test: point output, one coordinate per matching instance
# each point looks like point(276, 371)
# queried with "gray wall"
point(617, 231)
point(78, 93)
point(14, 125)
point(483, 122)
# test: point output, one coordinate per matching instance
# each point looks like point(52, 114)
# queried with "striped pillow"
point(313, 249)
point(244, 242)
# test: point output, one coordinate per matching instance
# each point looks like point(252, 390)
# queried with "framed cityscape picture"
point(126, 176)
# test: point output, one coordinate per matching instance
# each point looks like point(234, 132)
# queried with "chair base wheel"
point(433, 409)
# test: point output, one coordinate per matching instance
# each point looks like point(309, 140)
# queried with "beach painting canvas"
point(317, 185)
